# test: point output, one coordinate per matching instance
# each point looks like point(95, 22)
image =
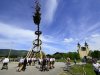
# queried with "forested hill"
point(14, 53)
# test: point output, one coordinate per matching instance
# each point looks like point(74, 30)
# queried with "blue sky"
point(64, 23)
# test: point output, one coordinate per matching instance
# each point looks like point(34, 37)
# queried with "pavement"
point(32, 70)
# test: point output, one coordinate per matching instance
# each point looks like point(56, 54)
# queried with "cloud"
point(68, 40)
point(94, 41)
point(52, 49)
point(95, 35)
point(50, 39)
point(51, 6)
point(14, 32)
point(17, 36)
point(94, 27)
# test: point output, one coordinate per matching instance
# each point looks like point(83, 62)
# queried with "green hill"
point(14, 53)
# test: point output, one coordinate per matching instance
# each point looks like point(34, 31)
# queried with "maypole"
point(37, 42)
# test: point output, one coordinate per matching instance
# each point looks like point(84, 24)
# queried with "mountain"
point(13, 53)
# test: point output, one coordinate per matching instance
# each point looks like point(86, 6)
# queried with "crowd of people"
point(45, 64)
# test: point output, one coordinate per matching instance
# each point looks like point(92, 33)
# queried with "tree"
point(95, 54)
point(73, 55)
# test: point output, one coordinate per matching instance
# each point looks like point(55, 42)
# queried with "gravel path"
point(32, 70)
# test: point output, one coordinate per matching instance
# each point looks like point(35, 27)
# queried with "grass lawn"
point(78, 70)
point(64, 60)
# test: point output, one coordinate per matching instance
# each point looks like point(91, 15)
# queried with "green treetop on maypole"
point(37, 14)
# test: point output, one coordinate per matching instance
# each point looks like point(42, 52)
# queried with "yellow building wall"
point(83, 53)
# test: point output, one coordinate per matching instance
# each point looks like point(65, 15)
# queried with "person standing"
point(43, 67)
point(68, 63)
point(5, 64)
point(75, 61)
point(96, 67)
point(24, 64)
point(68, 60)
point(20, 65)
point(53, 62)
point(40, 61)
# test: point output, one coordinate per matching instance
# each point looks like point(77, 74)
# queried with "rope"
point(9, 53)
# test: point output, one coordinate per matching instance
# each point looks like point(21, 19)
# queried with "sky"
point(64, 23)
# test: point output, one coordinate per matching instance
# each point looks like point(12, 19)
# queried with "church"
point(83, 50)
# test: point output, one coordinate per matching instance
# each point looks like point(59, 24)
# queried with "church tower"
point(79, 46)
point(87, 48)
point(83, 50)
